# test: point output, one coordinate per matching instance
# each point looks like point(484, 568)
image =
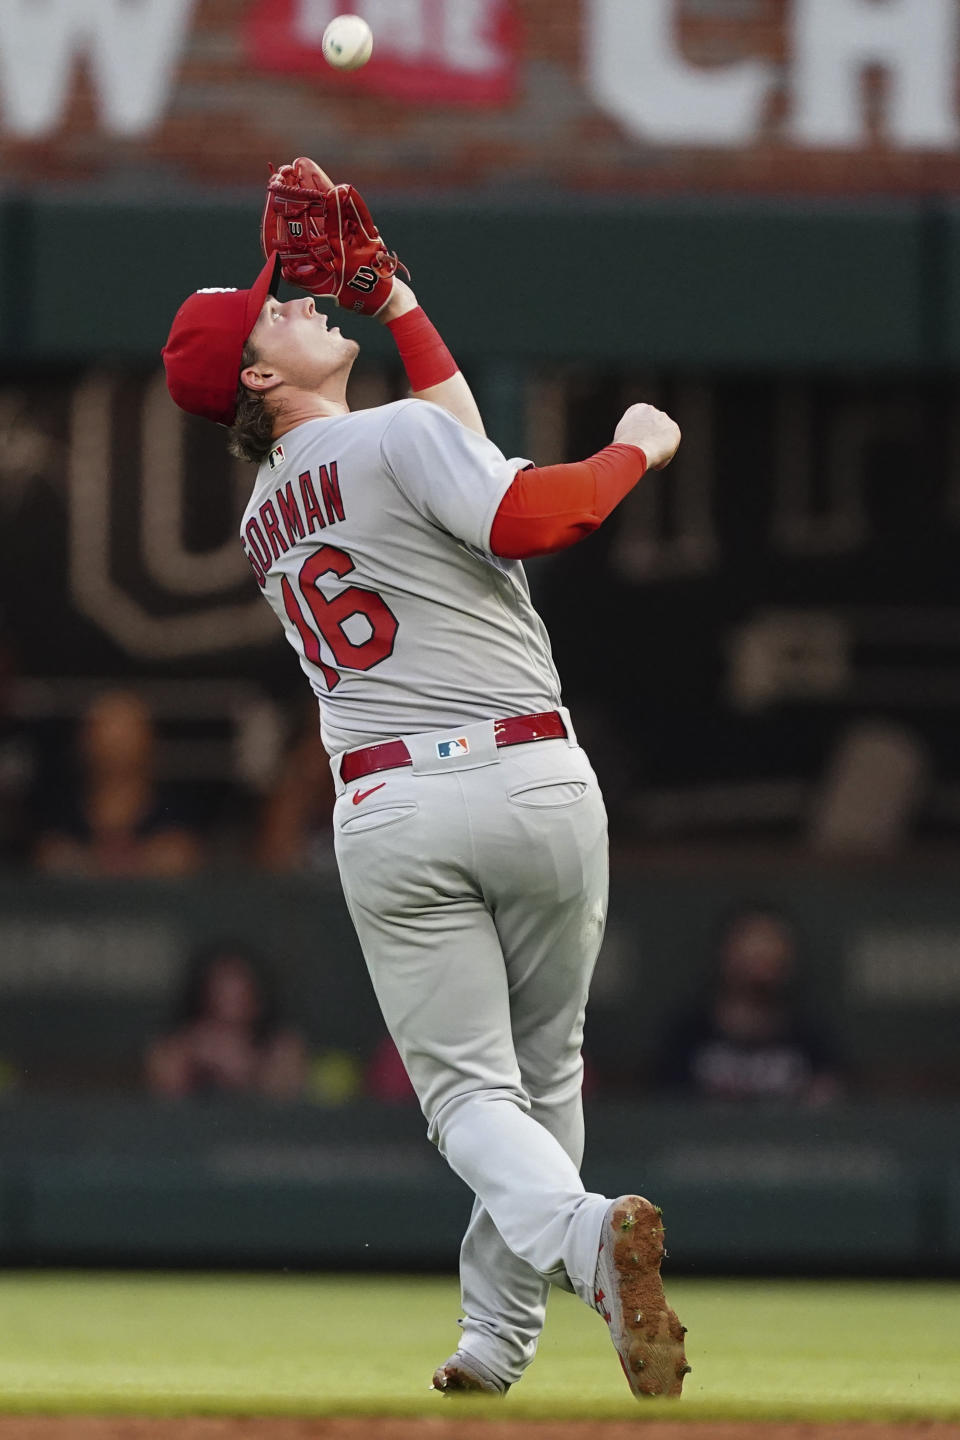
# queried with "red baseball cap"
point(205, 345)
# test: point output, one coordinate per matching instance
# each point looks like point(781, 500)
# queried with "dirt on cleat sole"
point(645, 1331)
point(454, 1378)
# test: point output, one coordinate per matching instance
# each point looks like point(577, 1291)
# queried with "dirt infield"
point(72, 1427)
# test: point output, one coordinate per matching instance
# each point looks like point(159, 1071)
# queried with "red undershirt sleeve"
point(552, 507)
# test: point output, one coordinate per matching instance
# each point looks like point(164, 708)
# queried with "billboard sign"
point(433, 52)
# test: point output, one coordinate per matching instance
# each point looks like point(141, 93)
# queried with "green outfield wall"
point(858, 1188)
point(681, 282)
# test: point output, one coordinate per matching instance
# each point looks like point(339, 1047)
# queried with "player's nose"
point(309, 308)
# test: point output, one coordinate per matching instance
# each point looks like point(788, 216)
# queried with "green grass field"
point(302, 1345)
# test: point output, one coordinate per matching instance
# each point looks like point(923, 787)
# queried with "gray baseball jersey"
point(369, 535)
point(476, 877)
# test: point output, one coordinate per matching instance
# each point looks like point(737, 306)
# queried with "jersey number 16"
point(330, 616)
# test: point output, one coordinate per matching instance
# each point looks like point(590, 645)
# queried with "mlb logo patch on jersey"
point(275, 458)
point(447, 749)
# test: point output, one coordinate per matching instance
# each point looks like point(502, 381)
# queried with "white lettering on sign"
point(400, 28)
point(915, 41)
point(905, 964)
point(130, 46)
point(87, 953)
point(636, 71)
point(467, 39)
point(311, 18)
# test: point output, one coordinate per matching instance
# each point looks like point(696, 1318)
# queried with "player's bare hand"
point(653, 430)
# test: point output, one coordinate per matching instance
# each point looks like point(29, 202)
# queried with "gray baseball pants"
point(478, 889)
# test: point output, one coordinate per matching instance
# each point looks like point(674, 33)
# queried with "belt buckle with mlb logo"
point(448, 749)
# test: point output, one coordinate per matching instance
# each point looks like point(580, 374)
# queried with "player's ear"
point(259, 378)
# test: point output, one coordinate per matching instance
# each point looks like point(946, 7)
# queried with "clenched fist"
point(656, 434)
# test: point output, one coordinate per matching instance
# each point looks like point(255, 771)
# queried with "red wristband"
point(426, 359)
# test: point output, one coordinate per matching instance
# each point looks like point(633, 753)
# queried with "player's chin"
point(338, 357)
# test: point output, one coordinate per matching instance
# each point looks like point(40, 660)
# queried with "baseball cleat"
point(628, 1293)
point(461, 1374)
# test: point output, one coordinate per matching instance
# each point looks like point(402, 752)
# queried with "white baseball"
point(347, 42)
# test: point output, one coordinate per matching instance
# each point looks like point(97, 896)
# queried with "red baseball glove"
point(326, 238)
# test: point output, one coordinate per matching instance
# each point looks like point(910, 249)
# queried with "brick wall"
point(224, 119)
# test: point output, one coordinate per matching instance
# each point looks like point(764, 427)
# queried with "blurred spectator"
point(749, 1041)
point(295, 829)
point(226, 1035)
point(117, 819)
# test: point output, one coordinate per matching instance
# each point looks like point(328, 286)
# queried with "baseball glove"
point(326, 238)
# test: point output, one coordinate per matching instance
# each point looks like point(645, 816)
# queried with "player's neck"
point(301, 405)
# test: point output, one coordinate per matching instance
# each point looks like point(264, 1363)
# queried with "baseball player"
point(469, 828)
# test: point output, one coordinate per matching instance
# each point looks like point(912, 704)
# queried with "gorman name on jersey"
point(297, 510)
